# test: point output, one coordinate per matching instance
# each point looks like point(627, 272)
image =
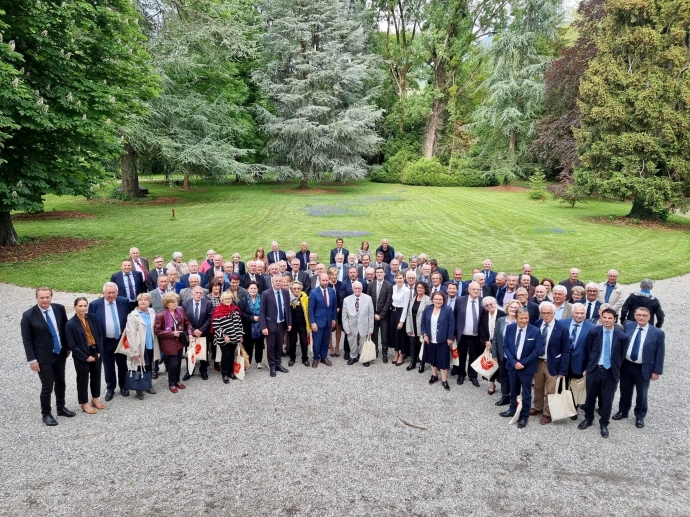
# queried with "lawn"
point(458, 226)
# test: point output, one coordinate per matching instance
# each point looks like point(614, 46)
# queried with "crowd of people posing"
point(414, 312)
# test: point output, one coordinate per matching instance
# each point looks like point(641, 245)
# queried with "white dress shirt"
point(469, 317)
point(521, 342)
point(109, 323)
point(632, 342)
point(400, 299)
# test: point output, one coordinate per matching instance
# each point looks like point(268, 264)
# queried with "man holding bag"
point(358, 320)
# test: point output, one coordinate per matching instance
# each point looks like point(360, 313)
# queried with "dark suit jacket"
point(152, 280)
point(260, 280)
point(383, 304)
point(319, 313)
point(595, 309)
point(491, 278)
point(577, 353)
point(76, 337)
point(346, 289)
point(653, 349)
point(531, 350)
point(268, 312)
point(484, 325)
point(97, 308)
point(443, 272)
point(445, 328)
point(241, 270)
point(303, 277)
point(486, 291)
point(205, 315)
point(145, 264)
point(593, 347)
point(534, 314)
point(36, 336)
point(558, 349)
point(334, 252)
point(184, 280)
point(461, 307)
point(566, 283)
point(462, 287)
point(386, 259)
point(137, 281)
point(303, 259)
point(271, 259)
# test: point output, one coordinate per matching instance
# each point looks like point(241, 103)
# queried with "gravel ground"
point(330, 442)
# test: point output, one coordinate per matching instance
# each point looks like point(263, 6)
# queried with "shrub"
point(568, 193)
point(537, 186)
point(430, 172)
point(391, 172)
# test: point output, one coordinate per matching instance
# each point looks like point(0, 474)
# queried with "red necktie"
point(325, 296)
point(143, 271)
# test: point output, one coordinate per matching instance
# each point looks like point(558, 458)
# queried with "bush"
point(568, 193)
point(391, 172)
point(537, 186)
point(430, 172)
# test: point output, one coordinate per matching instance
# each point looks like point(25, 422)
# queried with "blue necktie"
point(636, 345)
point(132, 294)
point(607, 349)
point(544, 333)
point(280, 306)
point(116, 323)
point(53, 332)
point(572, 336)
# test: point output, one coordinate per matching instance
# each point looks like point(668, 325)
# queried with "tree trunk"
point(130, 175)
point(304, 183)
point(185, 182)
point(8, 237)
point(433, 127)
point(640, 211)
point(513, 141)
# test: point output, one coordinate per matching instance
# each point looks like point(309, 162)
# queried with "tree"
point(87, 71)
point(634, 139)
point(321, 81)
point(514, 89)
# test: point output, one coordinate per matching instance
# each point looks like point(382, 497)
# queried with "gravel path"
point(330, 442)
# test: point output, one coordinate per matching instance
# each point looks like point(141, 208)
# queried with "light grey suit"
point(615, 300)
point(358, 325)
point(156, 303)
point(567, 311)
point(186, 294)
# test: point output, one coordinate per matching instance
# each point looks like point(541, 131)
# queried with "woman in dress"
point(497, 350)
point(337, 330)
point(397, 336)
point(363, 250)
point(227, 330)
point(253, 340)
point(438, 327)
point(144, 349)
point(260, 255)
point(85, 341)
point(172, 328)
point(413, 322)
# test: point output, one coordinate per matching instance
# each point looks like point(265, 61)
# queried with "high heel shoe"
point(445, 385)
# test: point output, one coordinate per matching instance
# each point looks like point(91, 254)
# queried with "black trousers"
point(301, 332)
point(88, 373)
point(631, 378)
point(501, 375)
point(227, 358)
point(173, 366)
point(52, 376)
point(381, 325)
point(600, 383)
point(254, 346)
point(274, 344)
point(110, 360)
point(413, 348)
point(468, 349)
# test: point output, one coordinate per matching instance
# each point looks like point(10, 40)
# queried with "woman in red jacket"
point(172, 328)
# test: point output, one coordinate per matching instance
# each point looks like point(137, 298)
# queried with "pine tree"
point(321, 82)
point(635, 113)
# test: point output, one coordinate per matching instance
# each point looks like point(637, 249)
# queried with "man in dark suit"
point(457, 280)
point(111, 311)
point(468, 314)
point(253, 276)
point(366, 262)
point(275, 255)
point(591, 300)
point(275, 319)
point(527, 270)
point(604, 353)
point(199, 311)
point(552, 363)
point(484, 290)
point(644, 361)
point(571, 282)
point(401, 259)
point(158, 270)
point(217, 267)
point(45, 345)
point(489, 275)
point(303, 255)
point(578, 329)
point(393, 269)
point(434, 267)
point(300, 276)
point(140, 264)
point(340, 266)
point(499, 288)
point(339, 249)
point(129, 283)
point(386, 250)
point(523, 346)
point(522, 296)
point(323, 306)
point(381, 292)
point(193, 270)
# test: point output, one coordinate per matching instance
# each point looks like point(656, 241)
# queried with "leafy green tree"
point(634, 139)
point(86, 69)
point(321, 81)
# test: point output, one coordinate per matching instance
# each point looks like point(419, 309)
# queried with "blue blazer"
point(558, 351)
point(491, 280)
point(653, 349)
point(97, 308)
point(319, 313)
point(137, 280)
point(268, 310)
point(594, 344)
point(531, 350)
point(577, 353)
point(184, 280)
point(271, 259)
point(445, 328)
point(346, 289)
point(303, 259)
point(334, 252)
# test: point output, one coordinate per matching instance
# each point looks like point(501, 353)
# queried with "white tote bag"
point(421, 349)
point(368, 353)
point(561, 404)
point(516, 416)
point(485, 365)
point(238, 363)
point(578, 388)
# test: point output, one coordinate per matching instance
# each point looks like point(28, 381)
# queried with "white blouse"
point(434, 325)
point(401, 297)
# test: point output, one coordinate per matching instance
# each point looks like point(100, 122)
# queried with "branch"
point(413, 425)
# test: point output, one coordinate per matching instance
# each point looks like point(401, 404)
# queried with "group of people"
point(538, 331)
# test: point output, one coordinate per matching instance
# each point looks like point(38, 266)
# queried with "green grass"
point(458, 226)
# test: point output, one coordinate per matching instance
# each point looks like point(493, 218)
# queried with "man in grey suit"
point(381, 292)
point(358, 320)
point(186, 293)
point(611, 292)
point(157, 294)
point(564, 309)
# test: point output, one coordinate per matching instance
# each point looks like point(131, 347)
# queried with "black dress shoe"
point(445, 385)
point(109, 395)
point(186, 377)
point(507, 413)
point(154, 375)
point(385, 358)
point(461, 380)
point(619, 416)
point(367, 364)
point(204, 376)
point(226, 379)
point(502, 402)
point(65, 412)
point(639, 423)
point(124, 392)
point(306, 363)
point(474, 382)
point(347, 357)
point(421, 368)
point(233, 376)
point(454, 370)
point(291, 363)
point(273, 372)
point(433, 379)
point(585, 424)
point(49, 420)
point(280, 368)
point(604, 431)
point(411, 366)
point(574, 417)
point(351, 362)
point(522, 423)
